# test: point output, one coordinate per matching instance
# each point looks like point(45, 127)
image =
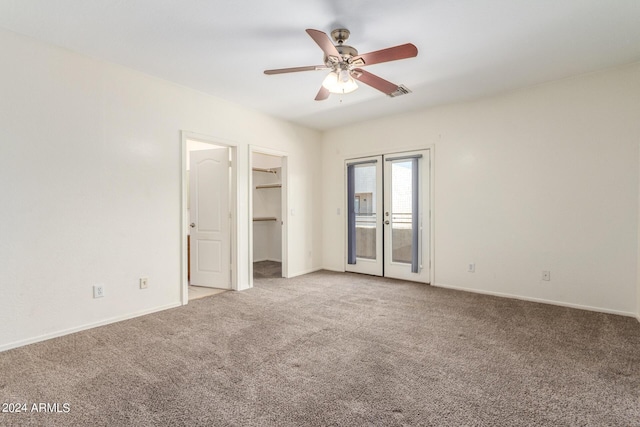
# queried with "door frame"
point(284, 199)
point(233, 207)
point(385, 152)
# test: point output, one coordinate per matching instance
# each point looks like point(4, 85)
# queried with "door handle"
point(387, 222)
point(192, 225)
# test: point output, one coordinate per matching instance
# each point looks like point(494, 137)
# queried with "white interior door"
point(210, 241)
point(407, 216)
point(364, 215)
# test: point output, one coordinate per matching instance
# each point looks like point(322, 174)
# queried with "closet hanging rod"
point(264, 170)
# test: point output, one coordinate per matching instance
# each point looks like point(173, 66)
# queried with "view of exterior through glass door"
point(388, 215)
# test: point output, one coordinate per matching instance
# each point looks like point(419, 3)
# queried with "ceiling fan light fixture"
point(340, 83)
point(344, 63)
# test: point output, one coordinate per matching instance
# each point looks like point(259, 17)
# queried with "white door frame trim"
point(233, 206)
point(285, 207)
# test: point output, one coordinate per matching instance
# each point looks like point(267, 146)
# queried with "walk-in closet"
point(267, 215)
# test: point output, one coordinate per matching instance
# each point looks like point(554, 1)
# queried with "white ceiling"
point(467, 48)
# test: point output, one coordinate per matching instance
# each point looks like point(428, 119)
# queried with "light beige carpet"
point(267, 270)
point(342, 350)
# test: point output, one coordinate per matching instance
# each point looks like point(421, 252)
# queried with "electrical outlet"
point(546, 276)
point(98, 291)
point(144, 282)
point(472, 268)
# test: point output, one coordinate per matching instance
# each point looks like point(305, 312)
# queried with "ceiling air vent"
point(402, 90)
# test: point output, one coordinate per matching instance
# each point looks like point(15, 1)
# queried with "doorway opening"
point(268, 189)
point(388, 224)
point(208, 217)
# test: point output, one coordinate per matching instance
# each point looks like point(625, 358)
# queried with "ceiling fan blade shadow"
point(323, 94)
point(374, 81)
point(403, 51)
point(325, 43)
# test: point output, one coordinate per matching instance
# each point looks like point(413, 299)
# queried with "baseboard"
point(267, 259)
point(302, 273)
point(337, 270)
point(64, 332)
point(638, 317)
point(540, 300)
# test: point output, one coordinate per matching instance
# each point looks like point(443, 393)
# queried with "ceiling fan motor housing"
point(347, 52)
point(340, 35)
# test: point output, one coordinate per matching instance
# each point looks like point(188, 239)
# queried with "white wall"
point(545, 178)
point(90, 161)
point(265, 161)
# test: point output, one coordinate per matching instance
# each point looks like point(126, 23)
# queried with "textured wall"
point(90, 175)
point(544, 178)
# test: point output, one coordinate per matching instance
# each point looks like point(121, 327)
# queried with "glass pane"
point(365, 207)
point(401, 211)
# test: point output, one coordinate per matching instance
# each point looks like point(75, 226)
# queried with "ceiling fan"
point(345, 64)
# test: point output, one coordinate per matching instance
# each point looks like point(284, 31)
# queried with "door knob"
point(192, 225)
point(387, 222)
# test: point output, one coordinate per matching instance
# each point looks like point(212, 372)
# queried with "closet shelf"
point(269, 186)
point(263, 170)
point(266, 218)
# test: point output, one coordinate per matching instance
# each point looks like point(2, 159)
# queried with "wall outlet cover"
point(98, 291)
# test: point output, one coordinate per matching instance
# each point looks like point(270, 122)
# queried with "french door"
point(388, 215)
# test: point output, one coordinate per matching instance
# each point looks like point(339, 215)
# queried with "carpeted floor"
point(196, 292)
point(342, 350)
point(267, 270)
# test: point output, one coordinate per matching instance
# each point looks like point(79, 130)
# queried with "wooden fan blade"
point(295, 69)
point(385, 55)
point(323, 94)
point(374, 81)
point(325, 43)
